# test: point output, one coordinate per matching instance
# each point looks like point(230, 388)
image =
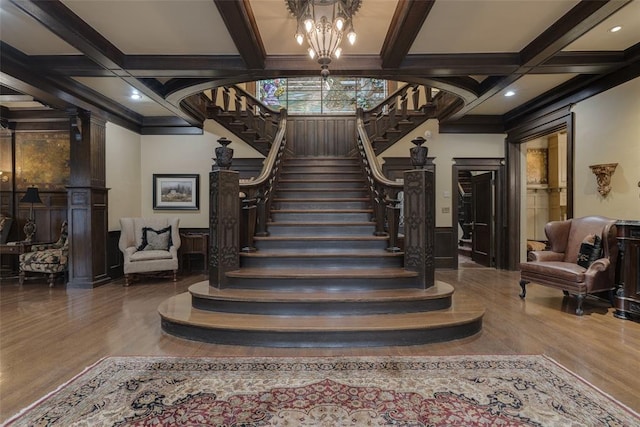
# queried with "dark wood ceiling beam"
point(241, 24)
point(406, 23)
point(572, 92)
point(462, 64)
point(572, 25)
point(62, 94)
point(60, 20)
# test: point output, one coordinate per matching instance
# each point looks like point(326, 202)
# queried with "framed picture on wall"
point(176, 191)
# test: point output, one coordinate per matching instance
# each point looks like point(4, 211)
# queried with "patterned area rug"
point(368, 391)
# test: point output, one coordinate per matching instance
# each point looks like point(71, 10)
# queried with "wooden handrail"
point(383, 191)
point(255, 194)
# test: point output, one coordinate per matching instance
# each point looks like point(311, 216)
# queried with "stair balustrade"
point(245, 116)
point(418, 188)
point(399, 113)
point(232, 228)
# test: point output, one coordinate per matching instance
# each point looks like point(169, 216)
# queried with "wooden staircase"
point(321, 278)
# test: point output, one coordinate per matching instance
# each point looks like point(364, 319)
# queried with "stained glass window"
point(311, 95)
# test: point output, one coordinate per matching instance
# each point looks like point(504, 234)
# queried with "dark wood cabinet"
point(628, 292)
point(194, 243)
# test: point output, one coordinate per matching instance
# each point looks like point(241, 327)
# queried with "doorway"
point(561, 120)
point(478, 212)
point(546, 185)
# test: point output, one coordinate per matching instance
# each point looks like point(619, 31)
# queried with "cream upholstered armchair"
point(47, 258)
point(581, 259)
point(149, 245)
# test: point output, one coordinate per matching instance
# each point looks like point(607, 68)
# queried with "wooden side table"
point(194, 244)
point(14, 249)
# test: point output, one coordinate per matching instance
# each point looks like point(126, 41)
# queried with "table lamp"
point(32, 196)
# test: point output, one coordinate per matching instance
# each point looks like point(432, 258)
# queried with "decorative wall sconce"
point(603, 174)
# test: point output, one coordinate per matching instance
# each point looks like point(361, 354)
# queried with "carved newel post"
point(224, 154)
point(419, 153)
point(224, 217)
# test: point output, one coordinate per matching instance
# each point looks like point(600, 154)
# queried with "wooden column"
point(87, 202)
point(224, 225)
point(419, 224)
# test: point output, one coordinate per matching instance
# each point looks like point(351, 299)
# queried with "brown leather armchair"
point(558, 267)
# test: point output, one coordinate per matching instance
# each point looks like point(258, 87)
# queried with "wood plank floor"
point(49, 335)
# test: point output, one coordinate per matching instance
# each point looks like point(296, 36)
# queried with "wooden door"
point(482, 206)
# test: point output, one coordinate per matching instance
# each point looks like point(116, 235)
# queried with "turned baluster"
point(226, 98)
point(238, 108)
point(249, 222)
point(416, 97)
point(261, 221)
point(393, 223)
point(380, 208)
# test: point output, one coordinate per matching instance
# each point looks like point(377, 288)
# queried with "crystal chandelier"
point(323, 23)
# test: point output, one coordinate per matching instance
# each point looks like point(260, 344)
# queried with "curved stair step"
point(345, 302)
point(180, 318)
point(309, 279)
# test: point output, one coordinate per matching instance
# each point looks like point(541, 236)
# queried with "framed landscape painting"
point(176, 191)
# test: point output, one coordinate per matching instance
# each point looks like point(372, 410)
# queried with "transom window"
point(314, 95)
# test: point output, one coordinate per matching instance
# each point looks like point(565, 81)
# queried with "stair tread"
point(321, 223)
point(321, 238)
point(178, 309)
point(323, 199)
point(322, 180)
point(361, 253)
point(289, 273)
point(322, 210)
point(439, 290)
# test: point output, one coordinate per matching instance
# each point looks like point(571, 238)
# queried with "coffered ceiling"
point(94, 54)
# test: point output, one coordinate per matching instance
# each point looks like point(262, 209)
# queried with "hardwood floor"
point(49, 335)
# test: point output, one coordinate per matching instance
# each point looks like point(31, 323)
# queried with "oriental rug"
point(334, 391)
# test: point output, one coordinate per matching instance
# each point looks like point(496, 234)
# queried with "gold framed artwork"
point(42, 160)
point(537, 166)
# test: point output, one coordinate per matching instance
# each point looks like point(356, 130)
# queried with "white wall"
point(122, 150)
point(444, 147)
point(607, 130)
point(132, 159)
point(184, 154)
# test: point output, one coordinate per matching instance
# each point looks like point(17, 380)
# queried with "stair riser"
point(310, 161)
point(320, 262)
point(321, 176)
point(330, 204)
point(285, 184)
point(322, 217)
point(311, 194)
point(323, 246)
point(301, 284)
point(322, 339)
point(325, 230)
point(338, 170)
point(330, 308)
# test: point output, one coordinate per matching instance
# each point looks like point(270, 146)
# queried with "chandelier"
point(323, 23)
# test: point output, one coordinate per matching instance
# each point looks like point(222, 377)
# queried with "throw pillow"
point(156, 239)
point(590, 250)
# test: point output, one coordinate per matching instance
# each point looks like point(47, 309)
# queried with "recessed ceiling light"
point(136, 95)
point(615, 29)
point(509, 93)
